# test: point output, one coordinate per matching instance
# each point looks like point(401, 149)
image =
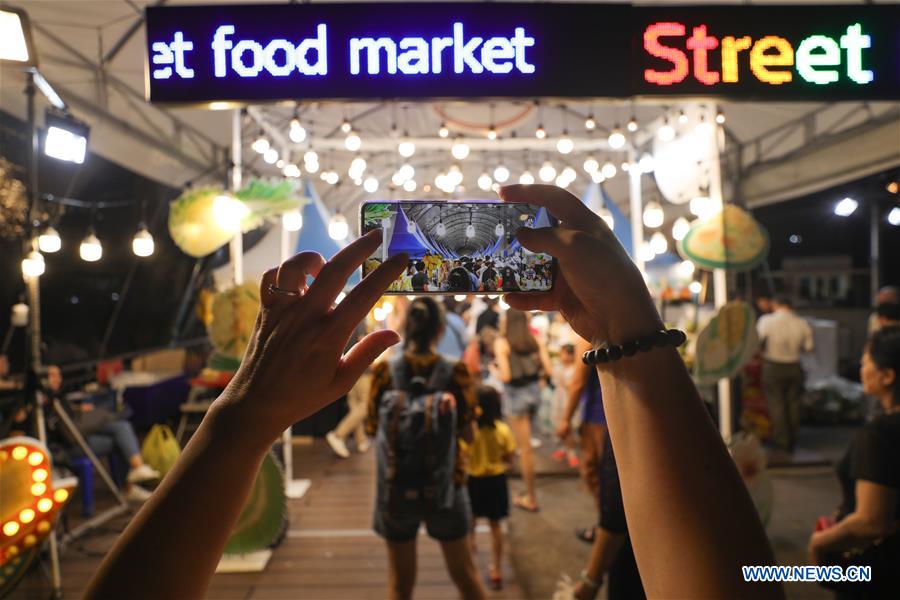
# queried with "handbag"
point(160, 450)
point(882, 556)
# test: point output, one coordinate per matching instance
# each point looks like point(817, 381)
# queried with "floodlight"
point(16, 43)
point(66, 138)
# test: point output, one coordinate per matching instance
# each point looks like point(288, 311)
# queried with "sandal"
point(519, 502)
point(586, 534)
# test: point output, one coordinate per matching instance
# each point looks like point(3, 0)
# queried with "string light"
point(632, 125)
point(346, 127)
point(270, 156)
point(485, 182)
point(658, 243)
point(653, 215)
point(616, 138)
point(443, 131)
point(260, 144)
point(407, 171)
point(501, 174)
point(608, 170)
point(720, 117)
point(291, 170)
point(695, 287)
point(685, 269)
point(409, 185)
point(591, 165)
point(406, 148)
point(33, 264)
point(666, 132)
point(607, 216)
point(338, 228)
point(540, 133)
point(352, 142)
point(49, 241)
point(547, 172)
point(460, 150)
point(292, 220)
point(682, 118)
point(296, 132)
point(492, 133)
point(590, 123)
point(142, 245)
point(565, 145)
point(370, 185)
point(680, 228)
point(526, 178)
point(646, 164)
point(645, 252)
point(90, 250)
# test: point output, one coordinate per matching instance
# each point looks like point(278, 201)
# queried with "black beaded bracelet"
point(613, 352)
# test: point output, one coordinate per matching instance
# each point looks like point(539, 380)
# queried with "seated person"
point(106, 431)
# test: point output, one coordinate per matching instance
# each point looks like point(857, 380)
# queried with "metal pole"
point(236, 246)
point(720, 277)
point(637, 224)
point(874, 249)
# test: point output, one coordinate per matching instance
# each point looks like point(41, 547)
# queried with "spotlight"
point(16, 44)
point(142, 244)
point(66, 138)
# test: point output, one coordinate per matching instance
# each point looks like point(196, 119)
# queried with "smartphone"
point(459, 247)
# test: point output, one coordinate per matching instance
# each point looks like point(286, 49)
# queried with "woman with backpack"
point(420, 406)
point(521, 358)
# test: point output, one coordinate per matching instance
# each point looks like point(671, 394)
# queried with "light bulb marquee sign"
point(269, 53)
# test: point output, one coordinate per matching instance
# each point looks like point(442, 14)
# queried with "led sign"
point(267, 53)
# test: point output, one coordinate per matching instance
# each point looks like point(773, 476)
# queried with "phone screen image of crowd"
point(460, 247)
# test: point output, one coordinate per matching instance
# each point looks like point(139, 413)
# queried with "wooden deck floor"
point(329, 552)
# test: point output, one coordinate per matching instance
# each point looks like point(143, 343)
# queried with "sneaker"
point(137, 494)
point(337, 444)
point(142, 473)
point(363, 446)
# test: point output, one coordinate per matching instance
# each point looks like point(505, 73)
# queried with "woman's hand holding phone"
point(598, 289)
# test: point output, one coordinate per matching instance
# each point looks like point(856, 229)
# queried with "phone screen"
point(459, 247)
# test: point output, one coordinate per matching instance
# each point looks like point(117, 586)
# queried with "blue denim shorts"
point(446, 525)
point(522, 401)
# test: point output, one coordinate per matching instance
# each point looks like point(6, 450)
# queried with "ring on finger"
point(284, 292)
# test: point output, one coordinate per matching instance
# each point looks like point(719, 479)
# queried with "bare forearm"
point(684, 500)
point(851, 532)
point(172, 546)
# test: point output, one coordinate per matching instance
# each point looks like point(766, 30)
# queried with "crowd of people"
point(450, 402)
point(520, 271)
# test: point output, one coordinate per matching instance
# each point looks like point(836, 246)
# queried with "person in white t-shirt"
point(784, 337)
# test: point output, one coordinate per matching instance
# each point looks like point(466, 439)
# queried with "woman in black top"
point(870, 478)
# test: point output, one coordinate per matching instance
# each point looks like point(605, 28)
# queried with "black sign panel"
point(266, 53)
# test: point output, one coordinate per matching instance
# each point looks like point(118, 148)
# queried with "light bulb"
point(311, 167)
point(142, 245)
point(565, 145)
point(484, 182)
point(645, 252)
point(33, 264)
point(704, 127)
point(346, 127)
point(685, 269)
point(590, 123)
point(608, 169)
point(292, 220)
point(607, 216)
point(406, 149)
point(407, 171)
point(894, 216)
point(49, 241)
point(658, 243)
point(703, 206)
point(280, 164)
point(409, 185)
point(526, 178)
point(632, 125)
point(357, 167)
point(460, 150)
point(625, 166)
point(501, 174)
point(666, 132)
point(680, 228)
point(569, 173)
point(846, 207)
point(310, 156)
point(352, 142)
point(459, 297)
point(547, 172)
point(646, 163)
point(397, 179)
point(470, 231)
point(492, 133)
point(443, 131)
point(653, 214)
point(370, 185)
point(616, 138)
point(591, 165)
point(682, 118)
point(90, 250)
point(720, 117)
point(291, 170)
point(597, 177)
point(441, 229)
point(563, 182)
point(333, 177)
point(260, 144)
point(270, 156)
point(540, 133)
point(297, 133)
point(338, 228)
point(695, 287)
point(228, 213)
point(455, 175)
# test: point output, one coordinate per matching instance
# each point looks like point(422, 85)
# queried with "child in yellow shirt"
point(490, 455)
